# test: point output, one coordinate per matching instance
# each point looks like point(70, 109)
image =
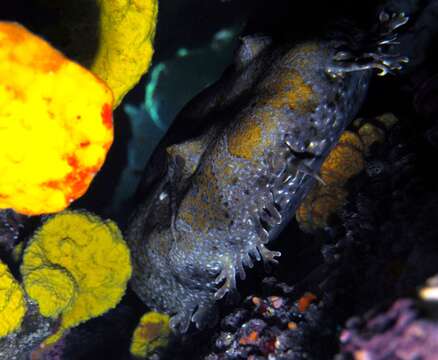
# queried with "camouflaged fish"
point(256, 139)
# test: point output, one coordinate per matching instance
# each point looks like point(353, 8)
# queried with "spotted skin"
point(232, 171)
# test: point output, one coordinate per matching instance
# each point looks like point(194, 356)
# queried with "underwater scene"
point(218, 180)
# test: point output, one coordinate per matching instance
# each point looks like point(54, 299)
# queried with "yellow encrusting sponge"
point(76, 266)
point(12, 303)
point(55, 124)
point(152, 332)
point(127, 31)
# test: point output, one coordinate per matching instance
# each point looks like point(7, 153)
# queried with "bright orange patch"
point(292, 325)
point(11, 32)
point(250, 339)
point(107, 116)
point(49, 62)
point(76, 182)
point(46, 59)
point(305, 301)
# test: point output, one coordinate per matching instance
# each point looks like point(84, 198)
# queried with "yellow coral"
point(127, 31)
point(319, 205)
point(55, 124)
point(53, 296)
point(344, 162)
point(370, 133)
point(151, 333)
point(12, 303)
point(113, 38)
point(76, 265)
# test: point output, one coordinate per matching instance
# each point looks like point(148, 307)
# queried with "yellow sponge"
point(55, 124)
point(127, 31)
point(345, 161)
point(76, 265)
point(12, 304)
point(151, 333)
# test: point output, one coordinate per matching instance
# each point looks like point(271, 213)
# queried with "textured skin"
point(214, 197)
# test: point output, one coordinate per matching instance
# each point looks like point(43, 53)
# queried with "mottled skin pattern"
point(233, 169)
